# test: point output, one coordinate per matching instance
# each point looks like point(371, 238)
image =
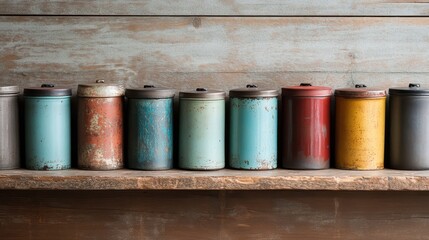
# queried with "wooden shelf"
point(330, 179)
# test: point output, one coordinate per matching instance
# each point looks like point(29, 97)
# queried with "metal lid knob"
point(47, 85)
point(99, 81)
point(414, 85)
point(148, 86)
point(201, 89)
point(360, 86)
point(251, 86)
point(305, 85)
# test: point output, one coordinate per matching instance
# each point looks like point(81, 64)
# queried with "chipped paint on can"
point(47, 132)
point(202, 134)
point(100, 133)
point(150, 134)
point(359, 133)
point(306, 132)
point(253, 133)
point(9, 128)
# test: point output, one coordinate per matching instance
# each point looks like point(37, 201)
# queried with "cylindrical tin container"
point(409, 128)
point(9, 127)
point(306, 126)
point(253, 128)
point(202, 129)
point(360, 128)
point(150, 128)
point(100, 126)
point(47, 127)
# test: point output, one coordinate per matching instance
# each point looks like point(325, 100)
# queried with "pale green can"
point(202, 130)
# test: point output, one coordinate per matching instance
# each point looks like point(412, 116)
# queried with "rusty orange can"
point(100, 126)
point(360, 128)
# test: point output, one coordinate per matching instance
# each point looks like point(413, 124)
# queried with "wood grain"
point(213, 215)
point(219, 52)
point(281, 179)
point(218, 7)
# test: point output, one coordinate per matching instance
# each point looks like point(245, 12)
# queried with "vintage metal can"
point(360, 128)
point(47, 127)
point(100, 126)
point(150, 128)
point(306, 126)
point(409, 131)
point(253, 128)
point(9, 127)
point(202, 129)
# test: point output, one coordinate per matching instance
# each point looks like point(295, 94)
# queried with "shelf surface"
point(330, 179)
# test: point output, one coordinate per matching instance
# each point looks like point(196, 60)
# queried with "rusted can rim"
point(203, 93)
point(7, 90)
point(361, 91)
point(252, 91)
point(413, 89)
point(307, 90)
point(150, 92)
point(100, 89)
point(47, 90)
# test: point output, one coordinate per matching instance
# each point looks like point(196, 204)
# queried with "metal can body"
point(409, 129)
point(100, 133)
point(306, 127)
point(150, 135)
point(47, 132)
point(9, 128)
point(306, 132)
point(359, 133)
point(253, 133)
point(201, 133)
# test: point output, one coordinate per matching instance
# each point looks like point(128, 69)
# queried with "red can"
point(100, 126)
point(306, 126)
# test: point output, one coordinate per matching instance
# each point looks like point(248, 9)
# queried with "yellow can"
point(360, 128)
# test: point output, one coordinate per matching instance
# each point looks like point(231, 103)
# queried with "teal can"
point(202, 129)
point(47, 127)
point(253, 128)
point(150, 128)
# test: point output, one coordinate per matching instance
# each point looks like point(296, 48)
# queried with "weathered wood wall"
point(218, 7)
point(218, 44)
point(220, 215)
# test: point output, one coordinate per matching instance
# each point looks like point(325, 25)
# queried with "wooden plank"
point(213, 215)
point(218, 7)
point(221, 52)
point(226, 179)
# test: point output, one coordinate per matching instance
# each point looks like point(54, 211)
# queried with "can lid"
point(361, 91)
point(203, 93)
point(149, 91)
point(252, 91)
point(48, 89)
point(307, 90)
point(5, 90)
point(413, 89)
point(100, 89)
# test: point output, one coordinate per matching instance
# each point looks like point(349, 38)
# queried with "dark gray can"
point(409, 128)
point(9, 127)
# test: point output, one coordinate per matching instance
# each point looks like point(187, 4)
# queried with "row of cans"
point(305, 129)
